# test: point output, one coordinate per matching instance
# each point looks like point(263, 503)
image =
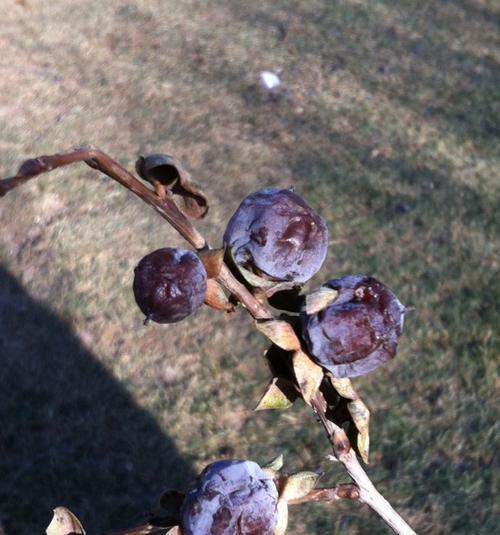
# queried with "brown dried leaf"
point(298, 485)
point(320, 299)
point(308, 374)
point(64, 522)
point(280, 333)
point(212, 260)
point(216, 297)
point(350, 408)
point(168, 171)
point(361, 418)
point(278, 395)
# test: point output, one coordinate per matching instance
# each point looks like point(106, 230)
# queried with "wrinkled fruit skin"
point(275, 234)
point(231, 497)
point(359, 331)
point(169, 284)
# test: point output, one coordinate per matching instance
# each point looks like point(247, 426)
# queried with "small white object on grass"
point(269, 80)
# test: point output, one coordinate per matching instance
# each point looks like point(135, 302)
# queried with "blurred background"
point(387, 121)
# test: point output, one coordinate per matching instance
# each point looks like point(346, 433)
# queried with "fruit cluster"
point(273, 244)
point(277, 238)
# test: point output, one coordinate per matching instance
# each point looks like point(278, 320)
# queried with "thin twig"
point(168, 210)
point(345, 491)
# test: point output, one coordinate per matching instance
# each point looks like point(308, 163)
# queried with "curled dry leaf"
point(361, 418)
point(64, 522)
point(215, 297)
point(266, 285)
point(212, 259)
point(298, 485)
point(170, 173)
point(279, 395)
point(358, 412)
point(308, 374)
point(280, 333)
point(320, 299)
point(343, 386)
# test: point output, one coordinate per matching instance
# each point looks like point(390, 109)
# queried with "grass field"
point(389, 125)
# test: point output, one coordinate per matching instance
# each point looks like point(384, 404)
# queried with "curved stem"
point(97, 159)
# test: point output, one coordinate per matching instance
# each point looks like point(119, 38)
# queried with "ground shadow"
point(70, 434)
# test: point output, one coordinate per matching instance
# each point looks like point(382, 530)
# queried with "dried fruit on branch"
point(170, 284)
point(359, 331)
point(277, 236)
point(232, 497)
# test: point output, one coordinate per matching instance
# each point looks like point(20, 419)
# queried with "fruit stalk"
point(167, 209)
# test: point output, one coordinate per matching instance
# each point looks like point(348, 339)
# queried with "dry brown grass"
point(388, 126)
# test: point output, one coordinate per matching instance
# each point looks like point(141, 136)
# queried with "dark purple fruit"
point(276, 235)
point(359, 331)
point(231, 497)
point(170, 284)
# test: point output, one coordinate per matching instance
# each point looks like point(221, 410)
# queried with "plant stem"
point(97, 159)
point(167, 208)
point(340, 492)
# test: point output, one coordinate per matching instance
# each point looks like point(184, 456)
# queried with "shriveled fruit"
point(359, 331)
point(276, 235)
point(231, 497)
point(169, 284)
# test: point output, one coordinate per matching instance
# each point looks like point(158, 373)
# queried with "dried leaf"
point(176, 530)
point(280, 333)
point(282, 518)
point(361, 418)
point(320, 299)
point(343, 387)
point(298, 485)
point(268, 286)
point(308, 374)
point(64, 522)
point(255, 280)
point(275, 464)
point(168, 171)
point(351, 409)
point(216, 297)
point(278, 396)
point(212, 260)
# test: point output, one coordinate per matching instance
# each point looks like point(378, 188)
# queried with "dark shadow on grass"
point(69, 432)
